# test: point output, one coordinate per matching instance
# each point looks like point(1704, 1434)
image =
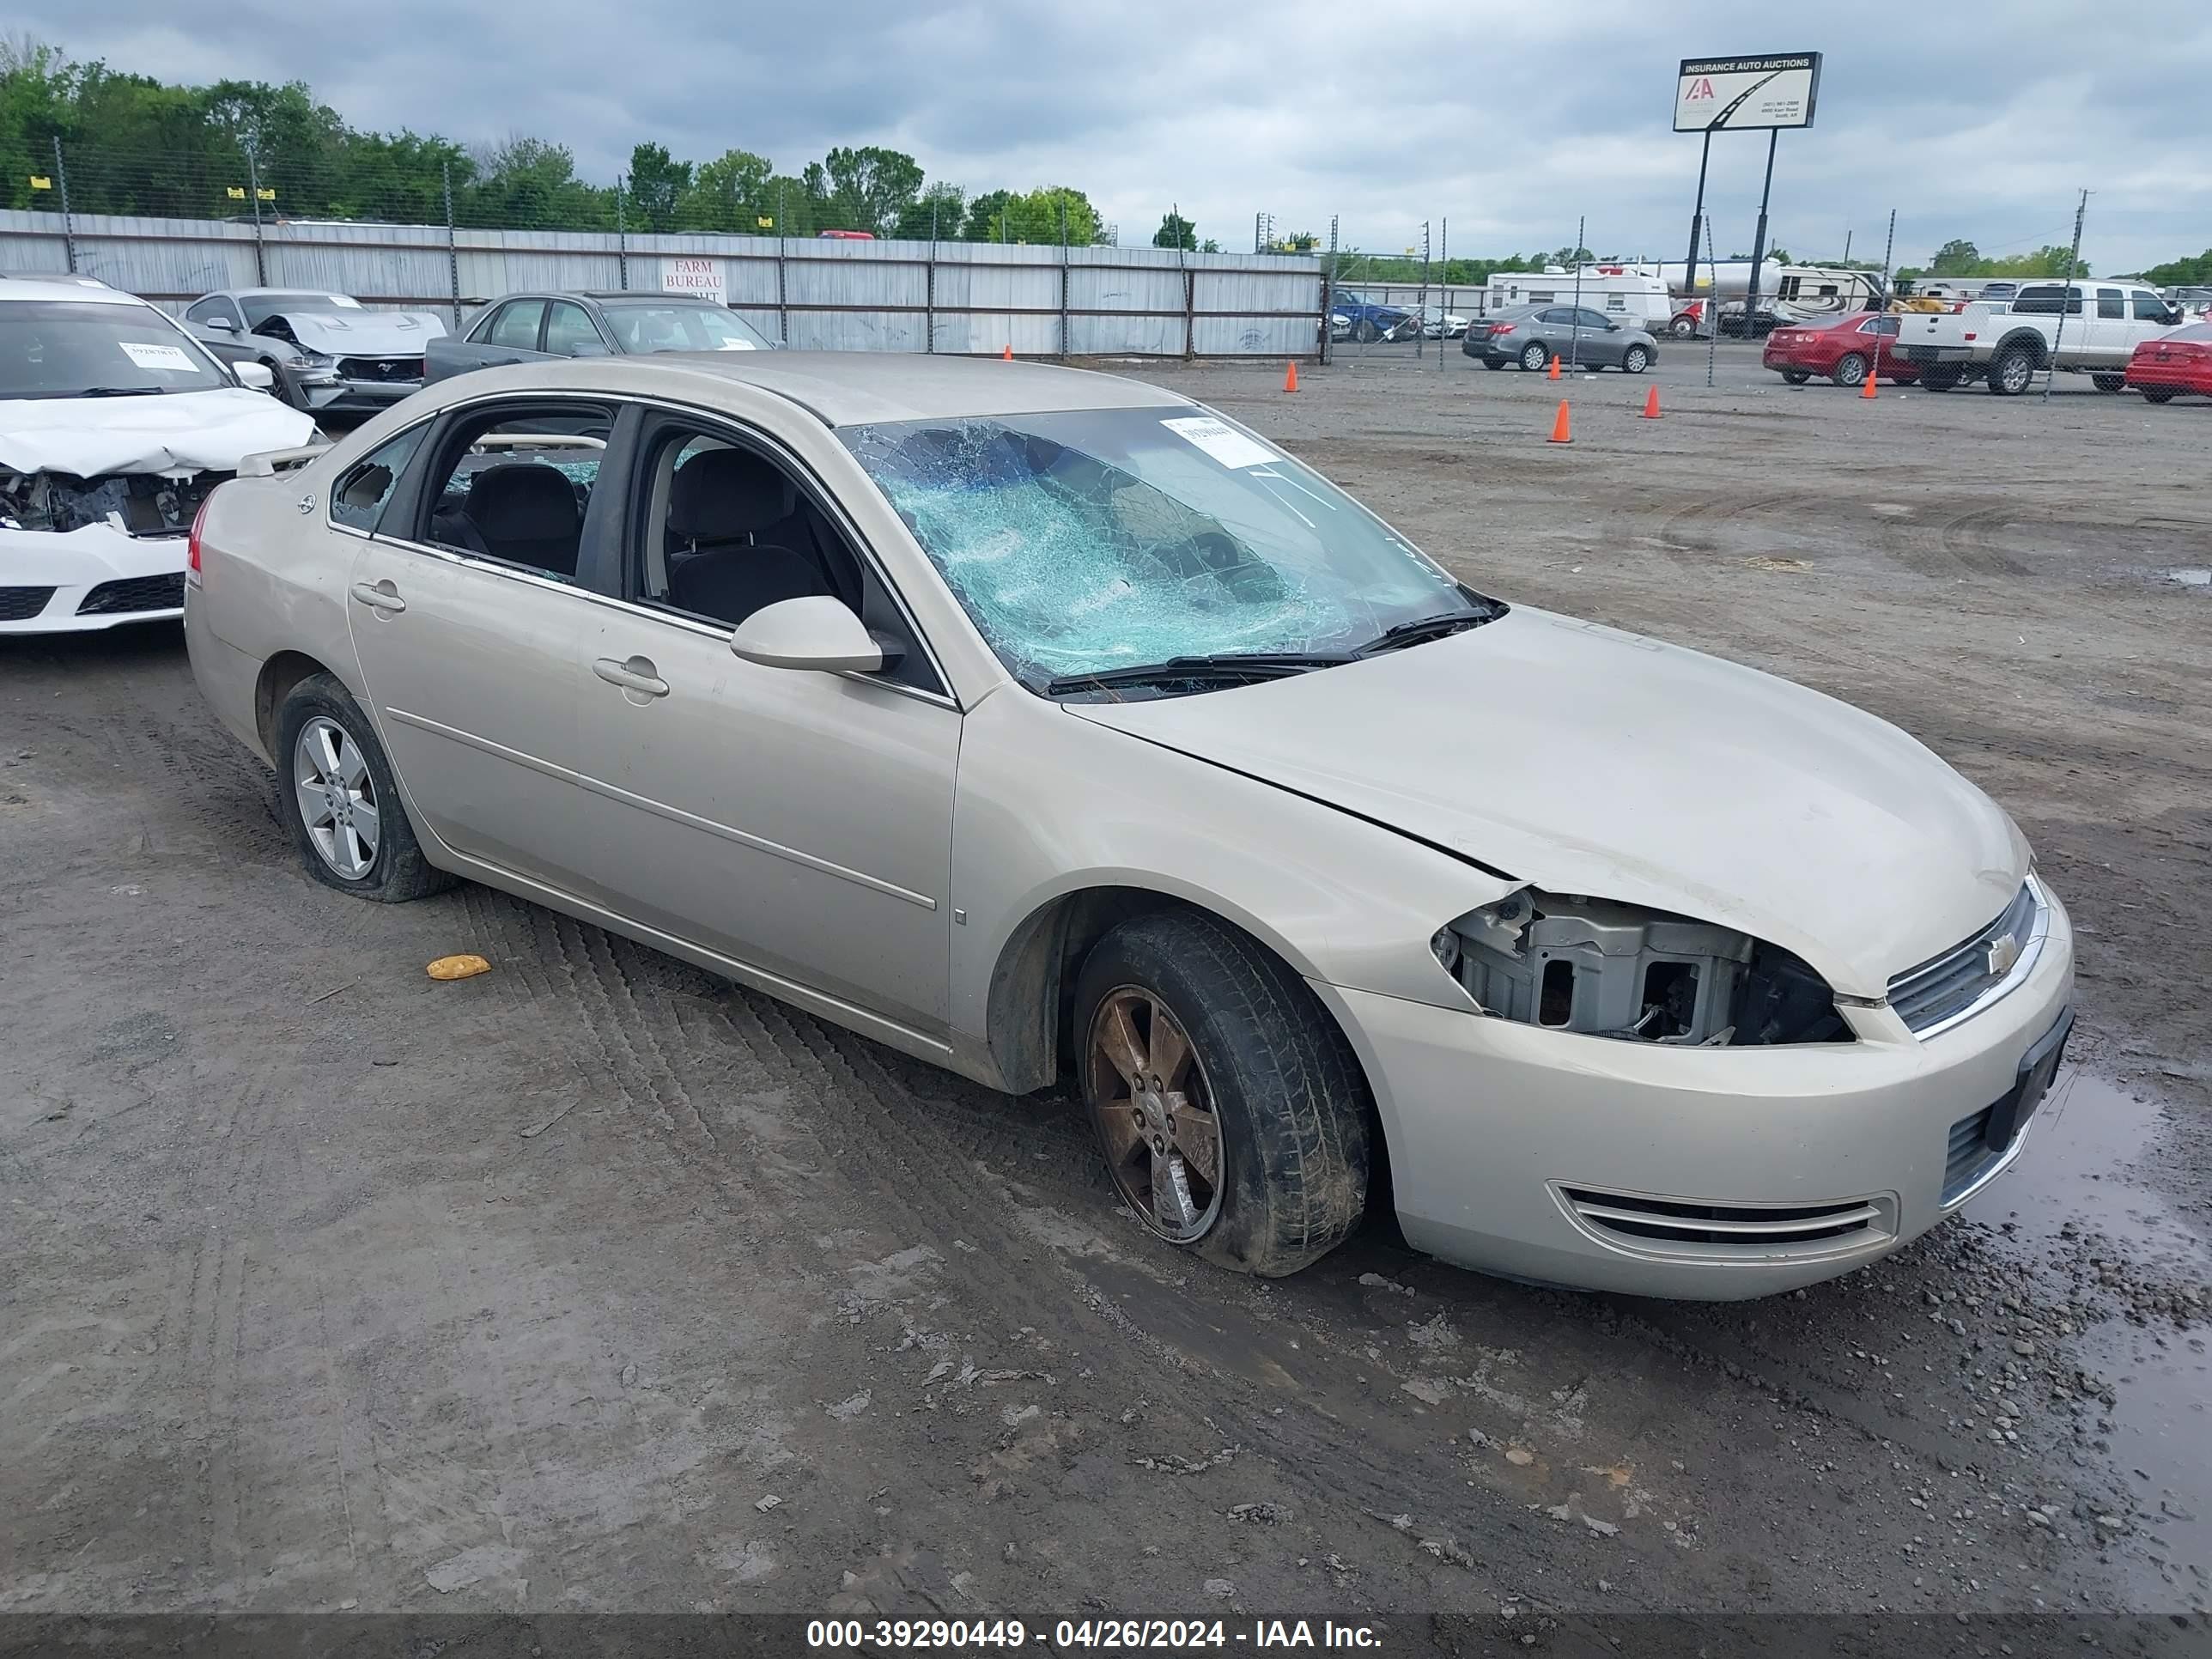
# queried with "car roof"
point(55, 286)
point(843, 388)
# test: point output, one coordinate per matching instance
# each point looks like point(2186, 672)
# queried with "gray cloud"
point(1975, 121)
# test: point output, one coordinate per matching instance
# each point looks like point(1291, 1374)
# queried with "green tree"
point(2177, 273)
point(986, 216)
point(729, 193)
point(1955, 259)
point(1175, 231)
point(938, 212)
point(656, 182)
point(869, 188)
point(1038, 216)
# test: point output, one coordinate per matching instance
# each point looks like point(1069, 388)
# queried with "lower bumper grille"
point(21, 604)
point(1709, 1232)
point(1969, 1155)
point(134, 593)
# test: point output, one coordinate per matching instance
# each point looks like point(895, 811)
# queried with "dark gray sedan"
point(529, 327)
point(1532, 336)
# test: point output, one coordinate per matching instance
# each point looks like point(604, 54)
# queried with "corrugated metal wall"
point(816, 294)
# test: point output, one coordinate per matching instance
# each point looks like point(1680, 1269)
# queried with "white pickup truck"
point(2090, 328)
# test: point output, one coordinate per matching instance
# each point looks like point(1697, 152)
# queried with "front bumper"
point(1505, 1139)
point(79, 580)
point(342, 397)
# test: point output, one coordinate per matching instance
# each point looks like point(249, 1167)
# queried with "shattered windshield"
point(76, 348)
point(1080, 541)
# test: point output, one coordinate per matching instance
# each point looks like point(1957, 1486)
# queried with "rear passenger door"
point(465, 605)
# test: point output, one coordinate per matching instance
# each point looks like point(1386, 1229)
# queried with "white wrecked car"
point(331, 353)
point(114, 425)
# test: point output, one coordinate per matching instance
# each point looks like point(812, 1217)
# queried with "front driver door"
point(798, 822)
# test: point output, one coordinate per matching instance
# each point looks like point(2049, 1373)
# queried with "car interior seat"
point(721, 504)
point(526, 514)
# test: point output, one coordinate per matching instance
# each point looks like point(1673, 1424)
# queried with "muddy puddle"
point(2083, 1175)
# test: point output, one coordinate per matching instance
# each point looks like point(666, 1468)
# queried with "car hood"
point(178, 431)
point(344, 332)
point(1585, 760)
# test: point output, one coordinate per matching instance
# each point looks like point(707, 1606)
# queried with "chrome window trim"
point(2031, 952)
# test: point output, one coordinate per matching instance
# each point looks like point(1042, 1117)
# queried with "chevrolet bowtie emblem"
point(2004, 951)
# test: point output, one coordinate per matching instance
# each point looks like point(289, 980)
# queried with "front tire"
point(336, 794)
point(1939, 380)
point(1230, 1110)
point(2109, 382)
point(1535, 357)
point(1851, 369)
point(1365, 333)
point(1493, 362)
point(1681, 328)
point(2158, 394)
point(1635, 360)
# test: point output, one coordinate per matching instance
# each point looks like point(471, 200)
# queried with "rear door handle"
point(637, 674)
point(380, 596)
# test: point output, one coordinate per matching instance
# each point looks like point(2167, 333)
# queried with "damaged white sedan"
point(1059, 731)
point(114, 425)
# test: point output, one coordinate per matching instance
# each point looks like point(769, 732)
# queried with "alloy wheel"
point(336, 797)
point(1155, 1113)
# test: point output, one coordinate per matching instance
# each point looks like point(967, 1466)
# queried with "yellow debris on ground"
point(463, 967)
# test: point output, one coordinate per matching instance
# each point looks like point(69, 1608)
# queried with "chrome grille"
point(1948, 986)
point(1719, 1230)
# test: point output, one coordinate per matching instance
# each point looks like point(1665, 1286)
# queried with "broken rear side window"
point(1083, 541)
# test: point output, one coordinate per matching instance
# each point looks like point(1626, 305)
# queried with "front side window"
point(682, 325)
point(1080, 541)
point(366, 485)
point(2149, 309)
point(568, 326)
point(88, 349)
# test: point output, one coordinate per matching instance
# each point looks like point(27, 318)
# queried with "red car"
point(1844, 350)
point(2163, 369)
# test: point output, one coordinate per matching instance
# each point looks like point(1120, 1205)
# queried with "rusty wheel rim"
point(1154, 1108)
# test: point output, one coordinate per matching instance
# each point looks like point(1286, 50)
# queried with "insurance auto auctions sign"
point(1715, 94)
point(701, 279)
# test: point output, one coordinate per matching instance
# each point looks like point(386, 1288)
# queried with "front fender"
point(1047, 805)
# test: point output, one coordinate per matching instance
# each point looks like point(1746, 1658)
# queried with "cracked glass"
point(1083, 541)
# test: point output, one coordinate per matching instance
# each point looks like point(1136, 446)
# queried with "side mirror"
point(254, 376)
point(590, 348)
point(817, 632)
point(220, 323)
point(1612, 328)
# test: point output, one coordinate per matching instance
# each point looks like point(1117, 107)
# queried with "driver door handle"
point(379, 596)
point(637, 674)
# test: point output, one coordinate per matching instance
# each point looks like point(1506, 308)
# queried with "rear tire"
point(1493, 362)
point(1266, 1078)
point(1796, 376)
point(1851, 369)
point(1940, 380)
point(2109, 382)
point(1635, 360)
point(320, 730)
point(2011, 371)
point(2158, 394)
point(1535, 357)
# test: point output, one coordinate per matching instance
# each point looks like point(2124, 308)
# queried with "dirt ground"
point(594, 1284)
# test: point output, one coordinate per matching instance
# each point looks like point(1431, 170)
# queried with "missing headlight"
point(1605, 969)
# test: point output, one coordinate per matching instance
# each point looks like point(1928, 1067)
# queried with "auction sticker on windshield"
point(148, 354)
point(1221, 440)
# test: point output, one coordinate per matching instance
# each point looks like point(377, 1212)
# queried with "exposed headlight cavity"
point(1604, 969)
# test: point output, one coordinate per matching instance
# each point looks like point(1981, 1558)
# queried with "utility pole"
point(453, 249)
point(622, 233)
point(253, 189)
point(1887, 249)
point(2066, 300)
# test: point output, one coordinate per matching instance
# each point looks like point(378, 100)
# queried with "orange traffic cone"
point(1290, 380)
point(1652, 404)
point(1562, 427)
point(1867, 387)
point(1555, 365)
point(1008, 354)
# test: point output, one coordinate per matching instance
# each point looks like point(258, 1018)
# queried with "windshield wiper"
point(117, 391)
point(1423, 629)
point(1226, 667)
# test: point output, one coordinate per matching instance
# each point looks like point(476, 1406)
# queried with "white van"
point(1635, 298)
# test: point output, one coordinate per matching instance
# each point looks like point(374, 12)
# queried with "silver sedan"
point(1058, 730)
point(1533, 335)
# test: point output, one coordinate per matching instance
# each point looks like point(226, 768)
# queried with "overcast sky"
point(1977, 120)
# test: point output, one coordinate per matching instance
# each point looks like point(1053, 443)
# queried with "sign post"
point(1741, 95)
